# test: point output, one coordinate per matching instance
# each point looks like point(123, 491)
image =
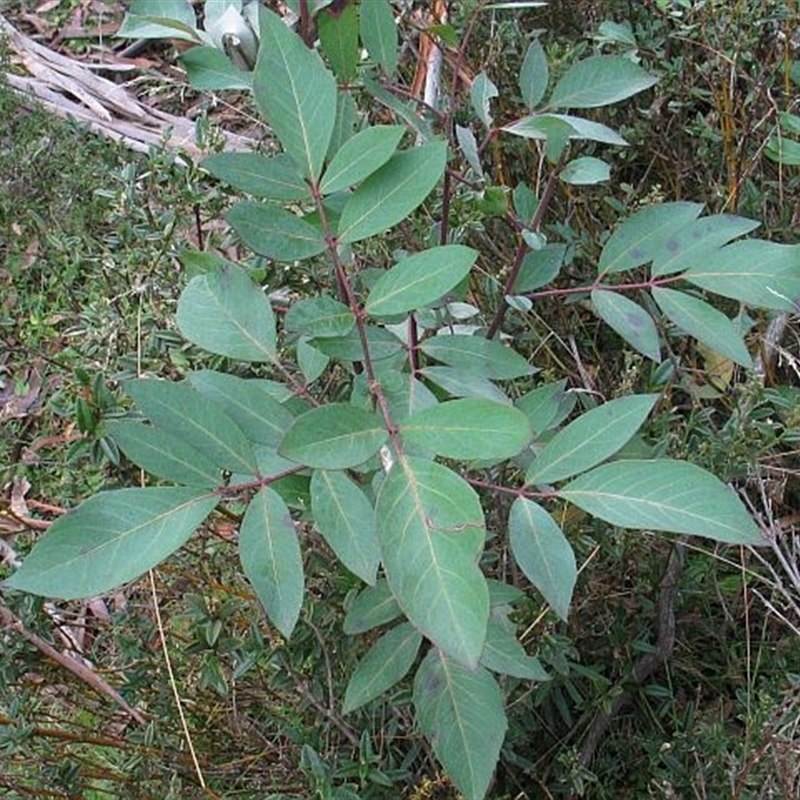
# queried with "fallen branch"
point(72, 90)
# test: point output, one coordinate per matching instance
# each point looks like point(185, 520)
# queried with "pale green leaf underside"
point(646, 235)
point(164, 455)
point(285, 74)
point(225, 313)
point(360, 156)
point(334, 436)
point(629, 320)
point(663, 495)
point(502, 653)
point(393, 192)
point(701, 320)
point(319, 316)
point(420, 280)
point(270, 556)
point(111, 539)
point(543, 553)
point(590, 439)
point(274, 232)
point(461, 711)
point(599, 81)
point(469, 429)
point(387, 662)
point(372, 607)
point(248, 402)
point(184, 412)
point(346, 519)
point(431, 531)
point(474, 355)
point(275, 177)
point(209, 70)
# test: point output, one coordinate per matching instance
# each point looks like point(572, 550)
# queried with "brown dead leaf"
point(19, 489)
point(18, 397)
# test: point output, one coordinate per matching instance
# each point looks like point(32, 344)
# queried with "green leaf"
point(629, 320)
point(663, 495)
point(590, 439)
point(543, 553)
point(346, 120)
point(410, 397)
point(159, 19)
point(111, 539)
point(458, 384)
point(543, 126)
point(475, 355)
point(420, 280)
point(163, 454)
point(534, 75)
point(312, 362)
point(319, 316)
point(696, 241)
point(274, 232)
point(547, 406)
point(185, 413)
point(431, 530)
point(540, 267)
point(373, 606)
point(345, 518)
point(761, 274)
point(275, 178)
point(335, 436)
point(270, 555)
point(503, 653)
point(224, 312)
point(248, 402)
point(387, 662)
point(406, 111)
point(461, 711)
point(379, 33)
point(646, 235)
point(469, 429)
point(469, 147)
point(382, 344)
point(295, 93)
point(701, 320)
point(338, 39)
point(210, 70)
point(783, 151)
point(600, 81)
point(585, 171)
point(482, 92)
point(389, 195)
point(360, 156)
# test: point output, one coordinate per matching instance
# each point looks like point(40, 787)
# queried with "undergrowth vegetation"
point(434, 451)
